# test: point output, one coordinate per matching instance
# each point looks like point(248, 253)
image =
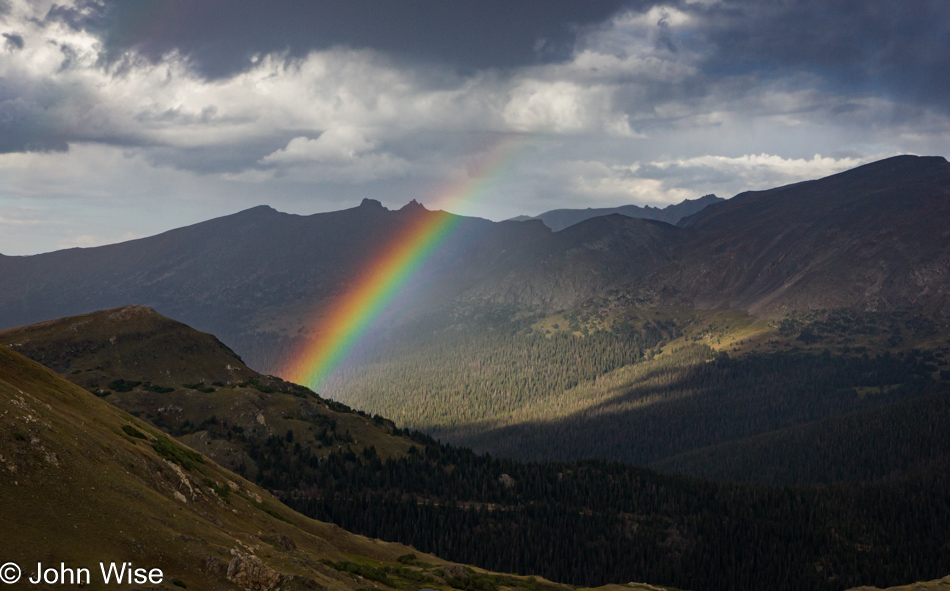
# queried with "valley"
point(752, 398)
point(586, 522)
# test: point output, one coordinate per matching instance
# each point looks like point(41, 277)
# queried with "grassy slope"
point(938, 585)
point(74, 476)
point(137, 344)
point(133, 343)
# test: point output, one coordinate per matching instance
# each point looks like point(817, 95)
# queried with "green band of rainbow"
point(347, 319)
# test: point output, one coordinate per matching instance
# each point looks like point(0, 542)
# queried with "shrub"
point(122, 385)
point(176, 453)
point(200, 386)
point(133, 432)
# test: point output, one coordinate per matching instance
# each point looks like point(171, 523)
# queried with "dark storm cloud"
point(224, 158)
point(13, 41)
point(882, 48)
point(24, 122)
point(42, 116)
point(221, 35)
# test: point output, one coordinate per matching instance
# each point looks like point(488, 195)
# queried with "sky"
point(121, 119)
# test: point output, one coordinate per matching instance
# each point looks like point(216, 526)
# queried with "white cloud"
point(625, 189)
point(8, 221)
point(601, 185)
point(643, 68)
point(337, 144)
point(763, 171)
point(662, 182)
point(564, 107)
point(339, 154)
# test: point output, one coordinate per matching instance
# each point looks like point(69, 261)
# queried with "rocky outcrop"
point(249, 572)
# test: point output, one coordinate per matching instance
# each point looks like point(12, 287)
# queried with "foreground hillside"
point(585, 523)
point(189, 384)
point(76, 468)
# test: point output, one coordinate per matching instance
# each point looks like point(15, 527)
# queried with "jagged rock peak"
point(413, 206)
point(371, 204)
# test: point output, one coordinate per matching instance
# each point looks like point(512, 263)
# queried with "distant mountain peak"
point(413, 206)
point(260, 209)
point(371, 204)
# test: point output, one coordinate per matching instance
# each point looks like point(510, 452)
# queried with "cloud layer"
point(112, 127)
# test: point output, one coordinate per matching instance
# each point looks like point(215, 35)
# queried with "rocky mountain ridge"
point(558, 219)
point(872, 239)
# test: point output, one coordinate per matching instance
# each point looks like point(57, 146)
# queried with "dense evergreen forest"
point(605, 393)
point(590, 522)
point(697, 398)
point(881, 443)
point(594, 522)
point(465, 377)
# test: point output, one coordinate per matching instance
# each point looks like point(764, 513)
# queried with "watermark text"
point(107, 573)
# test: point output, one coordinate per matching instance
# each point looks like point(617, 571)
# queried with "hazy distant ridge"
point(558, 219)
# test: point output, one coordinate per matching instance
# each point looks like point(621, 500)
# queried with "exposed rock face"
point(452, 570)
point(249, 572)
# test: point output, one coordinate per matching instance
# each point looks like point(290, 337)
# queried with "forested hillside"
point(591, 522)
point(642, 385)
point(587, 522)
point(889, 442)
point(473, 376)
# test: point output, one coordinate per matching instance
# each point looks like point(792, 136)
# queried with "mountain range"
point(872, 238)
point(558, 219)
point(770, 311)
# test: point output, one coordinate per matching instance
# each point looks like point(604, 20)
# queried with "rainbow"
point(350, 316)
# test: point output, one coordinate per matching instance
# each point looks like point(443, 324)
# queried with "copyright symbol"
point(9, 573)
